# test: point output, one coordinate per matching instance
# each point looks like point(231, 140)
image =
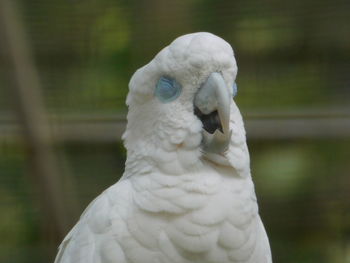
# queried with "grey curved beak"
point(214, 97)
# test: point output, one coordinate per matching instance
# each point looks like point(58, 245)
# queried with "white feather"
point(172, 204)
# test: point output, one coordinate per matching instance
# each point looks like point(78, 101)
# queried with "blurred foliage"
point(303, 188)
point(291, 55)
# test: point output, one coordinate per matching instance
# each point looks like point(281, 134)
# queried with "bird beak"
point(212, 107)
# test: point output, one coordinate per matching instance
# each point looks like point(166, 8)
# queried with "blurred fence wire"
point(109, 128)
point(64, 70)
point(30, 111)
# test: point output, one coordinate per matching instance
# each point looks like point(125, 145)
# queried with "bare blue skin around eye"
point(235, 89)
point(167, 89)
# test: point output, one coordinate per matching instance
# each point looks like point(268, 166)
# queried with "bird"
point(186, 194)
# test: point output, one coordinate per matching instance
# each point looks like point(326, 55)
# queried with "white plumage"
point(186, 194)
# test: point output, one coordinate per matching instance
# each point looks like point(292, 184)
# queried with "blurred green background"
point(294, 93)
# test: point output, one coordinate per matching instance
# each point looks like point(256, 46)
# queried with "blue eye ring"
point(235, 89)
point(167, 89)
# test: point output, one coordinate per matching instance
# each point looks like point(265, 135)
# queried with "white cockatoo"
point(186, 194)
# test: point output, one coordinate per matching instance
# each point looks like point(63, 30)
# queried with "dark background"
point(65, 64)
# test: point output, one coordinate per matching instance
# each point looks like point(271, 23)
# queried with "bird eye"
point(167, 89)
point(234, 87)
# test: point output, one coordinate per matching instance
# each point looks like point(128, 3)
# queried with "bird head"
point(181, 110)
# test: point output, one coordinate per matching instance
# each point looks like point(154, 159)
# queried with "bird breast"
point(200, 216)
